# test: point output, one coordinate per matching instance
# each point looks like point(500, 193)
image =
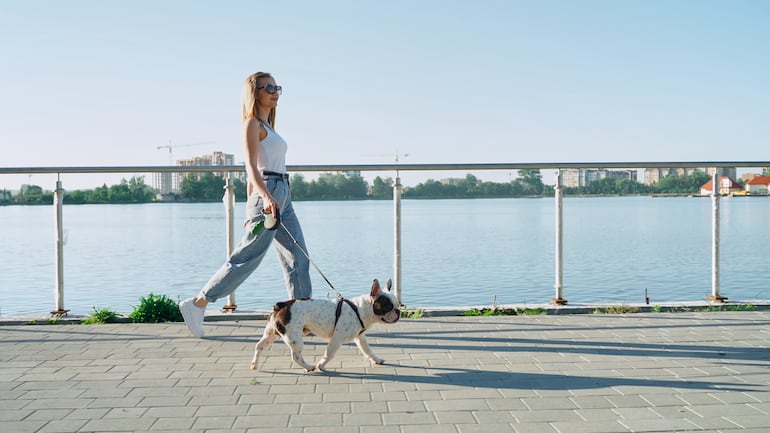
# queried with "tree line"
point(671, 184)
point(337, 186)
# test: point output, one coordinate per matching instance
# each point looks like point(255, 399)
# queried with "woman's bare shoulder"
point(253, 129)
point(252, 123)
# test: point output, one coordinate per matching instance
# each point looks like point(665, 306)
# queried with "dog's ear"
point(389, 284)
point(375, 288)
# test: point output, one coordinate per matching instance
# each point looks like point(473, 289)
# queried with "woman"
point(268, 191)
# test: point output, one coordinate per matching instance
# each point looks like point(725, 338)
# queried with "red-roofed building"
point(727, 186)
point(759, 185)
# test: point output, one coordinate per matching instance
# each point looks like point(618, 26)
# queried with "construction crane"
point(169, 182)
point(171, 147)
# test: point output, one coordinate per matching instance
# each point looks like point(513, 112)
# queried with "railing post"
point(58, 201)
point(715, 297)
point(558, 300)
point(229, 201)
point(397, 237)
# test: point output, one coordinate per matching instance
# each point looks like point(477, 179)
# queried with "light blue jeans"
point(247, 256)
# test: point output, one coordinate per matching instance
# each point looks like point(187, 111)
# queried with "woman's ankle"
point(200, 302)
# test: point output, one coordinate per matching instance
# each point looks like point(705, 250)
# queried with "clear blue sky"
point(105, 82)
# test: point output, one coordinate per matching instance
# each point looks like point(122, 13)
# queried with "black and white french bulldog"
point(336, 321)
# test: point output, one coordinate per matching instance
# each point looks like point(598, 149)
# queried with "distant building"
point(758, 185)
point(577, 177)
point(727, 186)
point(730, 172)
point(215, 159)
point(745, 177)
point(654, 175)
point(449, 181)
point(168, 183)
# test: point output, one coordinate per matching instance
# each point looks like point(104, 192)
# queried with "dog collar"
point(355, 310)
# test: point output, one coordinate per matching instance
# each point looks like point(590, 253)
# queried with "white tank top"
point(272, 152)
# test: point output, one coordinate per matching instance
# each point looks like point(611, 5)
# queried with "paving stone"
point(750, 421)
point(545, 415)
point(262, 421)
point(456, 417)
point(485, 428)
point(327, 419)
point(590, 427)
point(439, 428)
point(596, 414)
point(534, 427)
point(404, 418)
point(659, 425)
point(30, 426)
point(61, 426)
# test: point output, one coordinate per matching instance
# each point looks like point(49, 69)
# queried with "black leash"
point(272, 225)
point(272, 222)
point(339, 295)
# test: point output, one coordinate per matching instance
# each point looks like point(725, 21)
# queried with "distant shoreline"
point(671, 195)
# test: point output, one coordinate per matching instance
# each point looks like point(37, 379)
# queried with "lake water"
point(454, 252)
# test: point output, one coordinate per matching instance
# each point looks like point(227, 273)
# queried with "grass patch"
point(499, 311)
point(706, 309)
point(406, 313)
point(531, 311)
point(728, 307)
point(617, 309)
point(99, 317)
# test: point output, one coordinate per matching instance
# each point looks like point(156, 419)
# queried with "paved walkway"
point(648, 372)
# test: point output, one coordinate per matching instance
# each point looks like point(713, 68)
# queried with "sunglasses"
point(271, 89)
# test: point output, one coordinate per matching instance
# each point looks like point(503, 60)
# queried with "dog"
point(336, 321)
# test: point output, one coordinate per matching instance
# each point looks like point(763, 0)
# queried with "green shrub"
point(101, 316)
point(155, 309)
point(531, 311)
point(495, 311)
point(406, 313)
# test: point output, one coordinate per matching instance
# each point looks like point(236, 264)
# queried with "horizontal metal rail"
point(387, 167)
point(397, 187)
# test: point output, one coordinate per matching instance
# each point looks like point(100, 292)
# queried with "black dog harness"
point(355, 310)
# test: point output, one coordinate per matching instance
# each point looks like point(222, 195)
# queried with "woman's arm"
point(253, 133)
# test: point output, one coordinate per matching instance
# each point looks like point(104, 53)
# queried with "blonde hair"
point(249, 98)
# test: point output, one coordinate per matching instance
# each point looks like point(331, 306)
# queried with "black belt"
point(275, 174)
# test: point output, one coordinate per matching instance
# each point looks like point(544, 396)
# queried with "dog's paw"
point(253, 365)
point(377, 361)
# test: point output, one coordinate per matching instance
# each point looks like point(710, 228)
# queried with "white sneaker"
point(193, 316)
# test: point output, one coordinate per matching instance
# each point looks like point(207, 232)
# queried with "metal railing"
point(229, 201)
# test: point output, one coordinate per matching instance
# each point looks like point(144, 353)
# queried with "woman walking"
point(268, 193)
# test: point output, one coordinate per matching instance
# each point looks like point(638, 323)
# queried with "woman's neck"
point(263, 117)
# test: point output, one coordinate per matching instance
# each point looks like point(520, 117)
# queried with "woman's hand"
point(270, 205)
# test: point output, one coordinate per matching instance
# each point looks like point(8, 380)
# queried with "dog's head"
point(384, 304)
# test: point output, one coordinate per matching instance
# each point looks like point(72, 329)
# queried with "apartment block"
point(167, 183)
point(577, 177)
